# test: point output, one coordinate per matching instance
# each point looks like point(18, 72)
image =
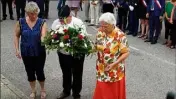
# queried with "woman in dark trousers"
point(168, 26)
point(173, 21)
point(32, 30)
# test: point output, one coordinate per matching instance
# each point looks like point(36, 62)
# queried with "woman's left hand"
point(109, 67)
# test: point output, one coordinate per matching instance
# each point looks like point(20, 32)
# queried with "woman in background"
point(74, 5)
point(168, 26)
point(173, 21)
point(144, 21)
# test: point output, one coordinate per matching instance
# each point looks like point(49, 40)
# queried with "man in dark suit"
point(4, 3)
point(46, 9)
point(122, 13)
point(20, 8)
point(134, 20)
point(155, 11)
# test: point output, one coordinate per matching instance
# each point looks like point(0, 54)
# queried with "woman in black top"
point(142, 16)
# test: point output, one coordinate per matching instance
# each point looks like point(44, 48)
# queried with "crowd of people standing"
point(143, 16)
point(133, 15)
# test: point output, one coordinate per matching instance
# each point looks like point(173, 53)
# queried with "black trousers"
point(34, 66)
point(108, 8)
point(154, 26)
point(20, 8)
point(133, 22)
point(168, 27)
point(122, 15)
point(71, 68)
point(46, 6)
point(4, 3)
point(173, 33)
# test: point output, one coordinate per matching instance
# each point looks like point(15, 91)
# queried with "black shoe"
point(154, 42)
point(147, 40)
point(11, 18)
point(76, 98)
point(62, 96)
point(87, 21)
point(134, 35)
point(129, 33)
point(4, 18)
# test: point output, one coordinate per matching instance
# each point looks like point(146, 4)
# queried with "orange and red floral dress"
point(111, 84)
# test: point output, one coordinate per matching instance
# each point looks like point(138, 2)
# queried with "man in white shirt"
point(71, 67)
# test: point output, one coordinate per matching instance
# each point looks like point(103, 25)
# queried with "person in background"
point(134, 20)
point(74, 5)
point(72, 68)
point(87, 10)
point(173, 21)
point(32, 31)
point(94, 11)
point(4, 3)
point(107, 6)
point(61, 3)
point(122, 13)
point(112, 51)
point(155, 12)
point(46, 8)
point(142, 11)
point(20, 8)
point(168, 26)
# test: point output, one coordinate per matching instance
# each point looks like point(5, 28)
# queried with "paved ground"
point(150, 70)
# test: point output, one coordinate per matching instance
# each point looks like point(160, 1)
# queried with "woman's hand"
point(18, 55)
point(109, 67)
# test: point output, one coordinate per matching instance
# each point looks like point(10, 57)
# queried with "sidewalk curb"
point(15, 90)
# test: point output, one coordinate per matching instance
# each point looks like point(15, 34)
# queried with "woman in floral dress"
point(112, 47)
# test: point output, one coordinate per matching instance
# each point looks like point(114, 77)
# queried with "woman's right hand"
point(171, 21)
point(18, 55)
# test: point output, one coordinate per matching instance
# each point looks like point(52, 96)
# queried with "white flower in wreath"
point(60, 30)
point(68, 44)
point(85, 45)
point(52, 41)
point(57, 41)
point(61, 44)
point(57, 26)
point(52, 33)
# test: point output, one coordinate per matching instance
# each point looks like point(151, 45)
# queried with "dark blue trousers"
point(134, 23)
point(155, 26)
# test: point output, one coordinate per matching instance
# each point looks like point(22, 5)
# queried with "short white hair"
point(108, 18)
point(32, 7)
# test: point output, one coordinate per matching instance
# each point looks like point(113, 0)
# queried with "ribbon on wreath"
point(144, 3)
point(158, 3)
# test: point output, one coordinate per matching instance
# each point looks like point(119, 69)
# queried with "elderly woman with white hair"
point(32, 30)
point(112, 47)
